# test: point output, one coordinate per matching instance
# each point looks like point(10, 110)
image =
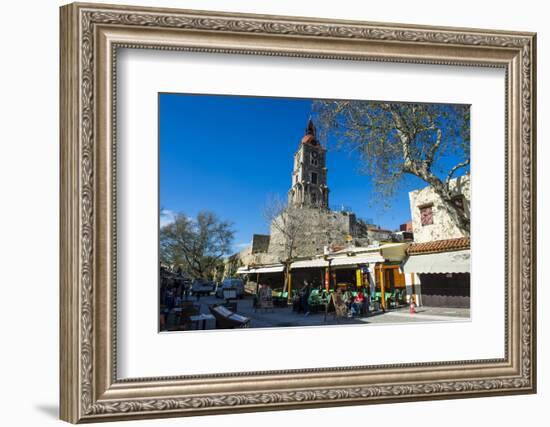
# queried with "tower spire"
point(310, 133)
point(310, 129)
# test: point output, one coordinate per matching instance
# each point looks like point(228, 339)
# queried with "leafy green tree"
point(395, 139)
point(198, 244)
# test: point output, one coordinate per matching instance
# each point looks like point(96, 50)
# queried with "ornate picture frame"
point(90, 37)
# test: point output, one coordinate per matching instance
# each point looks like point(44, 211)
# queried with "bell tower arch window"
point(314, 178)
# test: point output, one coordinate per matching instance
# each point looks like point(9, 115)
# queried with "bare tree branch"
point(290, 222)
point(453, 170)
point(196, 244)
point(394, 139)
point(434, 148)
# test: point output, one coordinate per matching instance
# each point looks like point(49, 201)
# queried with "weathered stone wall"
point(244, 258)
point(319, 228)
point(443, 226)
point(260, 243)
point(380, 235)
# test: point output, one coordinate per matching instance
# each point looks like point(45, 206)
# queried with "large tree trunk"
point(285, 279)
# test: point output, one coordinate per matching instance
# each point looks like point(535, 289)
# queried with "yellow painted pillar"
point(382, 293)
point(358, 278)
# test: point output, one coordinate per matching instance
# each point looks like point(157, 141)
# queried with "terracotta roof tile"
point(309, 139)
point(439, 246)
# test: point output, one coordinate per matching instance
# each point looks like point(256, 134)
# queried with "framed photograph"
point(268, 213)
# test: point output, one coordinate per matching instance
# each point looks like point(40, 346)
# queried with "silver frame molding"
point(90, 37)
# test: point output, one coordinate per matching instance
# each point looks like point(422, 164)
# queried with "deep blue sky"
point(226, 154)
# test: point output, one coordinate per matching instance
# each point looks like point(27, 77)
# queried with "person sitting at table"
point(348, 298)
point(358, 303)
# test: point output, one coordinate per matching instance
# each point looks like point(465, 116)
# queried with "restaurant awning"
point(242, 270)
point(261, 269)
point(441, 262)
point(369, 258)
point(309, 263)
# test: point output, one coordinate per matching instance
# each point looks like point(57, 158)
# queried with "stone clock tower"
point(309, 176)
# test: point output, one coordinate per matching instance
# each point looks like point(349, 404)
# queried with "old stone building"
point(318, 228)
point(439, 259)
point(255, 253)
point(430, 218)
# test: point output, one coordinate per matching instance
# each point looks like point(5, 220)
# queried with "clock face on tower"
point(314, 158)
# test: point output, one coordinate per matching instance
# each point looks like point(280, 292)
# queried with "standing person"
point(186, 290)
point(177, 299)
point(306, 290)
point(264, 296)
point(366, 307)
point(169, 299)
point(268, 293)
point(257, 303)
point(412, 304)
point(340, 307)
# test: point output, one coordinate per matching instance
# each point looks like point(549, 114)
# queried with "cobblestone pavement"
point(284, 316)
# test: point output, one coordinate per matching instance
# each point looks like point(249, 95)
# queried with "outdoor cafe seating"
point(393, 297)
point(179, 318)
point(227, 319)
point(318, 300)
point(279, 298)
